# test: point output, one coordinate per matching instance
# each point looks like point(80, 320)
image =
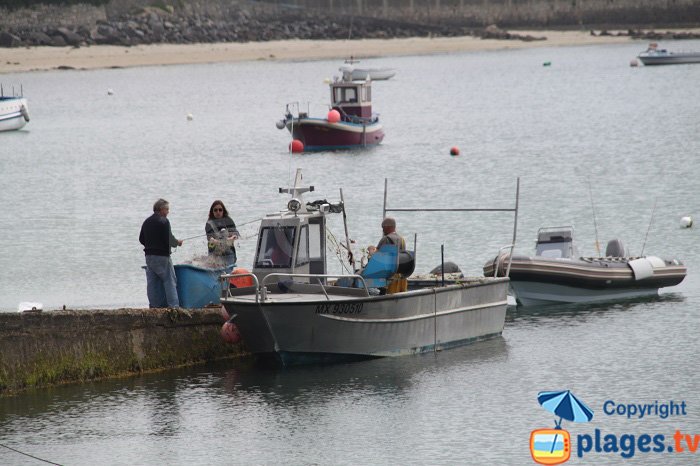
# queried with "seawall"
point(44, 348)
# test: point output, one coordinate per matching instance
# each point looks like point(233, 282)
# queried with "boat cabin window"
point(303, 251)
point(553, 250)
point(315, 242)
point(345, 94)
point(366, 94)
point(275, 247)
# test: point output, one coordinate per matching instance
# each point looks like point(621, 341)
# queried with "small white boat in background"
point(556, 273)
point(356, 73)
point(14, 111)
point(656, 56)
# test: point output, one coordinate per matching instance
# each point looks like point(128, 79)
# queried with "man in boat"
point(397, 282)
point(157, 239)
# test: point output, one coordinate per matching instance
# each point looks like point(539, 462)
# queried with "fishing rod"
point(242, 224)
point(595, 223)
point(648, 228)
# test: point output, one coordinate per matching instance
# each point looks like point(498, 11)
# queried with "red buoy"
point(333, 116)
point(230, 333)
point(241, 282)
point(454, 150)
point(296, 146)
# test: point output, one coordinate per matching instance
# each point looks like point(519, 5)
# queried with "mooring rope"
point(27, 454)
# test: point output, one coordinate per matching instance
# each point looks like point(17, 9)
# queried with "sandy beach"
point(13, 60)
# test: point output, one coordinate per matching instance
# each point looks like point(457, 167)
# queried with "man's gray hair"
point(159, 204)
point(389, 222)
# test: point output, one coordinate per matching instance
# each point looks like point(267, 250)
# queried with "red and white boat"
point(349, 124)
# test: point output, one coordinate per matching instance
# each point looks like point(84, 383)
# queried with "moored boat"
point(14, 111)
point(656, 56)
point(349, 124)
point(296, 312)
point(352, 72)
point(557, 274)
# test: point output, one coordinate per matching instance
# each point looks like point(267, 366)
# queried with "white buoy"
point(634, 62)
point(189, 117)
point(686, 222)
point(110, 91)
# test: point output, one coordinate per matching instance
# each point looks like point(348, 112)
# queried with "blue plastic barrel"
point(197, 286)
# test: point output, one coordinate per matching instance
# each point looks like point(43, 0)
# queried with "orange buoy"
point(241, 282)
point(230, 333)
point(454, 150)
point(333, 116)
point(296, 146)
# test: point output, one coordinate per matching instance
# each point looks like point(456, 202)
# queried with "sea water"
point(597, 144)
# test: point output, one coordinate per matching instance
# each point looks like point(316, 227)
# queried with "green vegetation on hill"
point(13, 4)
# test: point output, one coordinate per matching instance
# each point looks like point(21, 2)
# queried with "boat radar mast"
point(296, 203)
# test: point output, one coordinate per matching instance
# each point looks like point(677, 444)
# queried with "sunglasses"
point(217, 209)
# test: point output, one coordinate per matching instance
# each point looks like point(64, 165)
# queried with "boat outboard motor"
point(615, 248)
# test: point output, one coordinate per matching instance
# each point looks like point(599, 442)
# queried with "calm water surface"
point(82, 176)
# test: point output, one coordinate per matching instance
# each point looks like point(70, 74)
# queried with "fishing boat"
point(349, 123)
point(656, 56)
point(298, 313)
point(557, 274)
point(14, 111)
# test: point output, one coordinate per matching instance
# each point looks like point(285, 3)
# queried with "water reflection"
point(383, 376)
point(580, 312)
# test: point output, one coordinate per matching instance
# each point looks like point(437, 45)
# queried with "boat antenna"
point(648, 228)
point(351, 258)
point(595, 223)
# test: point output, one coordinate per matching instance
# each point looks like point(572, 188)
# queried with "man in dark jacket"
point(157, 239)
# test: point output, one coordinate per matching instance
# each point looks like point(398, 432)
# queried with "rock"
point(40, 38)
point(58, 41)
point(70, 37)
point(9, 40)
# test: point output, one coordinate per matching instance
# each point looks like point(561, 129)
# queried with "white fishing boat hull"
point(298, 328)
point(670, 58)
point(360, 74)
point(14, 113)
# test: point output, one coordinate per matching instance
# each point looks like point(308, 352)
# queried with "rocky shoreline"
point(154, 26)
point(165, 26)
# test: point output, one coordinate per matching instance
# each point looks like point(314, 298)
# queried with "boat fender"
point(656, 262)
point(642, 268)
point(230, 333)
point(24, 112)
point(281, 124)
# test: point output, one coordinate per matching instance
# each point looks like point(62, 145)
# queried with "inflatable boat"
point(557, 274)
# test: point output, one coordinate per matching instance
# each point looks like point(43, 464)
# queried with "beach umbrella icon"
point(565, 405)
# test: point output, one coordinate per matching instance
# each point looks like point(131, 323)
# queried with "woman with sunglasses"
point(221, 233)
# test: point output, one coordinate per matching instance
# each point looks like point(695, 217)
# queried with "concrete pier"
point(51, 347)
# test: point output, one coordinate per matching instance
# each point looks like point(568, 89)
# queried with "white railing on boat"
point(501, 257)
point(261, 290)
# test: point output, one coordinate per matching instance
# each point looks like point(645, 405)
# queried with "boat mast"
point(351, 258)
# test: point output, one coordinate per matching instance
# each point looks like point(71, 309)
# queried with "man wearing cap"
point(157, 239)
